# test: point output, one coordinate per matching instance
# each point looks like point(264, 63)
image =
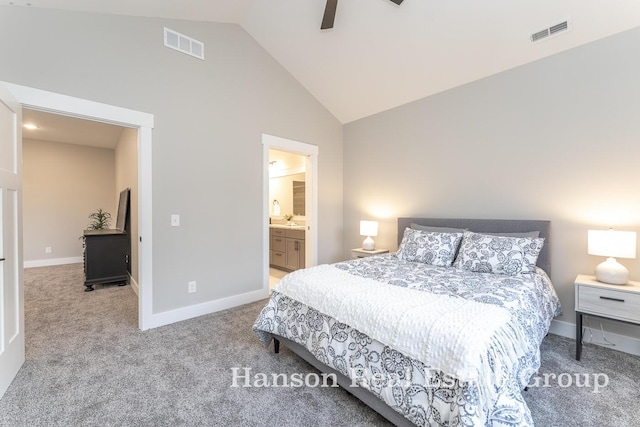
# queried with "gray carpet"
point(88, 365)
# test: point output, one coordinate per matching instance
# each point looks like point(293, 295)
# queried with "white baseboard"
point(179, 314)
point(53, 261)
point(564, 329)
point(134, 285)
point(622, 343)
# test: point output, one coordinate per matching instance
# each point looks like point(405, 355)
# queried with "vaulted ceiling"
point(380, 55)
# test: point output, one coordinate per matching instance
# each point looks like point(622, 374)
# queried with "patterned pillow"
point(429, 247)
point(498, 254)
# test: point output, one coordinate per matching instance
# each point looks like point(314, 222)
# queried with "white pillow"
point(484, 253)
point(429, 247)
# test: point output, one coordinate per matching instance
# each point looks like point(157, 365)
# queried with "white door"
point(11, 270)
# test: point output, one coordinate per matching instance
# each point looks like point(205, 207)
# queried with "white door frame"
point(37, 99)
point(311, 205)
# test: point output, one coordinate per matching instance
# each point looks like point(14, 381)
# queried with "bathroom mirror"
point(289, 192)
point(286, 183)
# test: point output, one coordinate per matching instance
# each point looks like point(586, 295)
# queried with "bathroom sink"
point(293, 226)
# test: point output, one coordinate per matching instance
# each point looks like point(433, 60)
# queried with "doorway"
point(287, 213)
point(307, 168)
point(36, 99)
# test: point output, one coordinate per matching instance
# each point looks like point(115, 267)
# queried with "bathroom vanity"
point(287, 246)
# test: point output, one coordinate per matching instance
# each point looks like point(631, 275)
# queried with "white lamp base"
point(612, 272)
point(368, 244)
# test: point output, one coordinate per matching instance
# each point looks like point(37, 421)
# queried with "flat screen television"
point(122, 220)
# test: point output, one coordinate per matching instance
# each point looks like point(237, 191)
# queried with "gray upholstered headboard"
point(490, 225)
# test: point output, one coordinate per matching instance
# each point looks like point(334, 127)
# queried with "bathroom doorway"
point(287, 213)
point(290, 204)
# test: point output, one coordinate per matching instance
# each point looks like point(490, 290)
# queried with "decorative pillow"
point(436, 229)
point(429, 247)
point(485, 253)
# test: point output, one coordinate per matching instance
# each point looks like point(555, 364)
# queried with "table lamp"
point(612, 244)
point(368, 228)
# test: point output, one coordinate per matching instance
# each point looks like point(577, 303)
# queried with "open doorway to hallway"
point(71, 168)
point(37, 99)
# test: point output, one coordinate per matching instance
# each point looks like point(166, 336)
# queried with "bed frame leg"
point(276, 346)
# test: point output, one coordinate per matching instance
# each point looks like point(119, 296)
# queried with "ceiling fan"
point(330, 13)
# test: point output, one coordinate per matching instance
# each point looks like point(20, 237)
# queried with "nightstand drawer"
point(611, 303)
point(616, 302)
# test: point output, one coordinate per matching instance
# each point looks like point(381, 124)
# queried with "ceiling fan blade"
point(397, 2)
point(329, 14)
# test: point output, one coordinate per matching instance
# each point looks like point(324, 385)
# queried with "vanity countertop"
point(288, 227)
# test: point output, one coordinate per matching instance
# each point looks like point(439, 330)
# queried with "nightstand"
point(614, 302)
point(363, 253)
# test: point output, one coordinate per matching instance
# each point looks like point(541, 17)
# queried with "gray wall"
point(207, 151)
point(63, 184)
point(126, 165)
point(558, 139)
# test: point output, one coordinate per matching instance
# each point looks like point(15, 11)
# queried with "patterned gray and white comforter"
point(425, 387)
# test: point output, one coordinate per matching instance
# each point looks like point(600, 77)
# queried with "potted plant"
point(288, 217)
point(100, 220)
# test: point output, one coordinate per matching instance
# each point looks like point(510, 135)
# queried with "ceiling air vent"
point(184, 44)
point(551, 31)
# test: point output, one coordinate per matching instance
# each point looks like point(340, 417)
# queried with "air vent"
point(563, 26)
point(551, 31)
point(540, 35)
point(184, 44)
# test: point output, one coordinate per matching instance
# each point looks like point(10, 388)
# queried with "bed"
point(446, 331)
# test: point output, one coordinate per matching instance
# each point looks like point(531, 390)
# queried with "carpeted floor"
point(88, 365)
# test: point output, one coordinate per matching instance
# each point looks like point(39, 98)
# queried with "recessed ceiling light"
point(30, 126)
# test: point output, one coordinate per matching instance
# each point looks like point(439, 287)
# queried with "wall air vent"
point(554, 30)
point(540, 35)
point(184, 44)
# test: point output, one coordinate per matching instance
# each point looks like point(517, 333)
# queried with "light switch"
point(175, 220)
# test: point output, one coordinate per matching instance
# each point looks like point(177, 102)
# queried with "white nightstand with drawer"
point(363, 253)
point(615, 302)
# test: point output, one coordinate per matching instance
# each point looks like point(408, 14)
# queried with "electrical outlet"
point(175, 220)
point(47, 250)
point(192, 287)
